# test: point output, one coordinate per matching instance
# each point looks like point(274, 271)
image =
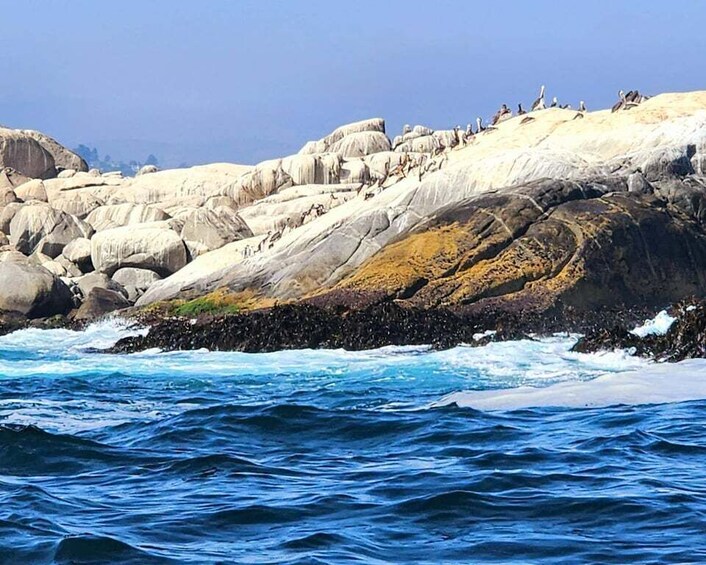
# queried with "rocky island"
point(555, 220)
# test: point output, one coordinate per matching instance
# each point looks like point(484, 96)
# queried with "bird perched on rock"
point(502, 114)
point(520, 110)
point(581, 112)
point(538, 104)
point(554, 103)
point(620, 104)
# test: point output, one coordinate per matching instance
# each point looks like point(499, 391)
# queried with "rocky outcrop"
point(554, 213)
point(32, 290)
point(63, 158)
point(551, 218)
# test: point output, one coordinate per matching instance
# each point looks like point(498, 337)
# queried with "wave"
point(89, 548)
point(654, 384)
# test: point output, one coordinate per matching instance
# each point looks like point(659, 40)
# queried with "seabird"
point(479, 123)
point(620, 103)
point(539, 103)
point(502, 114)
point(582, 106)
point(520, 110)
point(554, 103)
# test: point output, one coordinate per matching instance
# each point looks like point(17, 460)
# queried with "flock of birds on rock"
point(625, 102)
point(425, 164)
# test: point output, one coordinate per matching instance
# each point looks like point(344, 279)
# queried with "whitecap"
point(654, 384)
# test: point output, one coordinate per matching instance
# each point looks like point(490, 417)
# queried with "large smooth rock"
point(325, 144)
point(361, 144)
point(38, 226)
point(141, 279)
point(264, 179)
point(178, 187)
point(63, 157)
point(7, 196)
point(118, 215)
point(99, 302)
point(88, 282)
point(78, 252)
point(25, 154)
point(32, 290)
point(32, 190)
point(7, 213)
point(213, 228)
point(153, 246)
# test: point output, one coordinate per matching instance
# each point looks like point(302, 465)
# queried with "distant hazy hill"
point(107, 163)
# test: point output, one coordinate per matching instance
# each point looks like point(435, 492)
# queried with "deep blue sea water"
point(517, 452)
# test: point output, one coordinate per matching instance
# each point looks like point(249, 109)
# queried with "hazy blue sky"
point(241, 81)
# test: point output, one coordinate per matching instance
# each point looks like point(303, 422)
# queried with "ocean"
point(515, 452)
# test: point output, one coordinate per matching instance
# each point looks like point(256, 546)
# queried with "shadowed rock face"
point(549, 242)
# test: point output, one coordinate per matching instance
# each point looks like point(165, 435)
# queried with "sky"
point(245, 80)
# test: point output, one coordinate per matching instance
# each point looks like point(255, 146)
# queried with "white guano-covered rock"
point(361, 144)
point(118, 215)
point(154, 246)
point(213, 228)
point(140, 279)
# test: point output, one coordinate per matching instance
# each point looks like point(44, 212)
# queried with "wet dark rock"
point(336, 325)
point(99, 302)
point(686, 338)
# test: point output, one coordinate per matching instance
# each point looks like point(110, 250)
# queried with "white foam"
point(656, 384)
point(659, 325)
point(99, 335)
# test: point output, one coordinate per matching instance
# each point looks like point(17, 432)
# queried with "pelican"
point(503, 114)
point(539, 103)
point(554, 103)
point(520, 110)
point(620, 103)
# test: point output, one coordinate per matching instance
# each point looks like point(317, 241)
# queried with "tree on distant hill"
point(106, 164)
